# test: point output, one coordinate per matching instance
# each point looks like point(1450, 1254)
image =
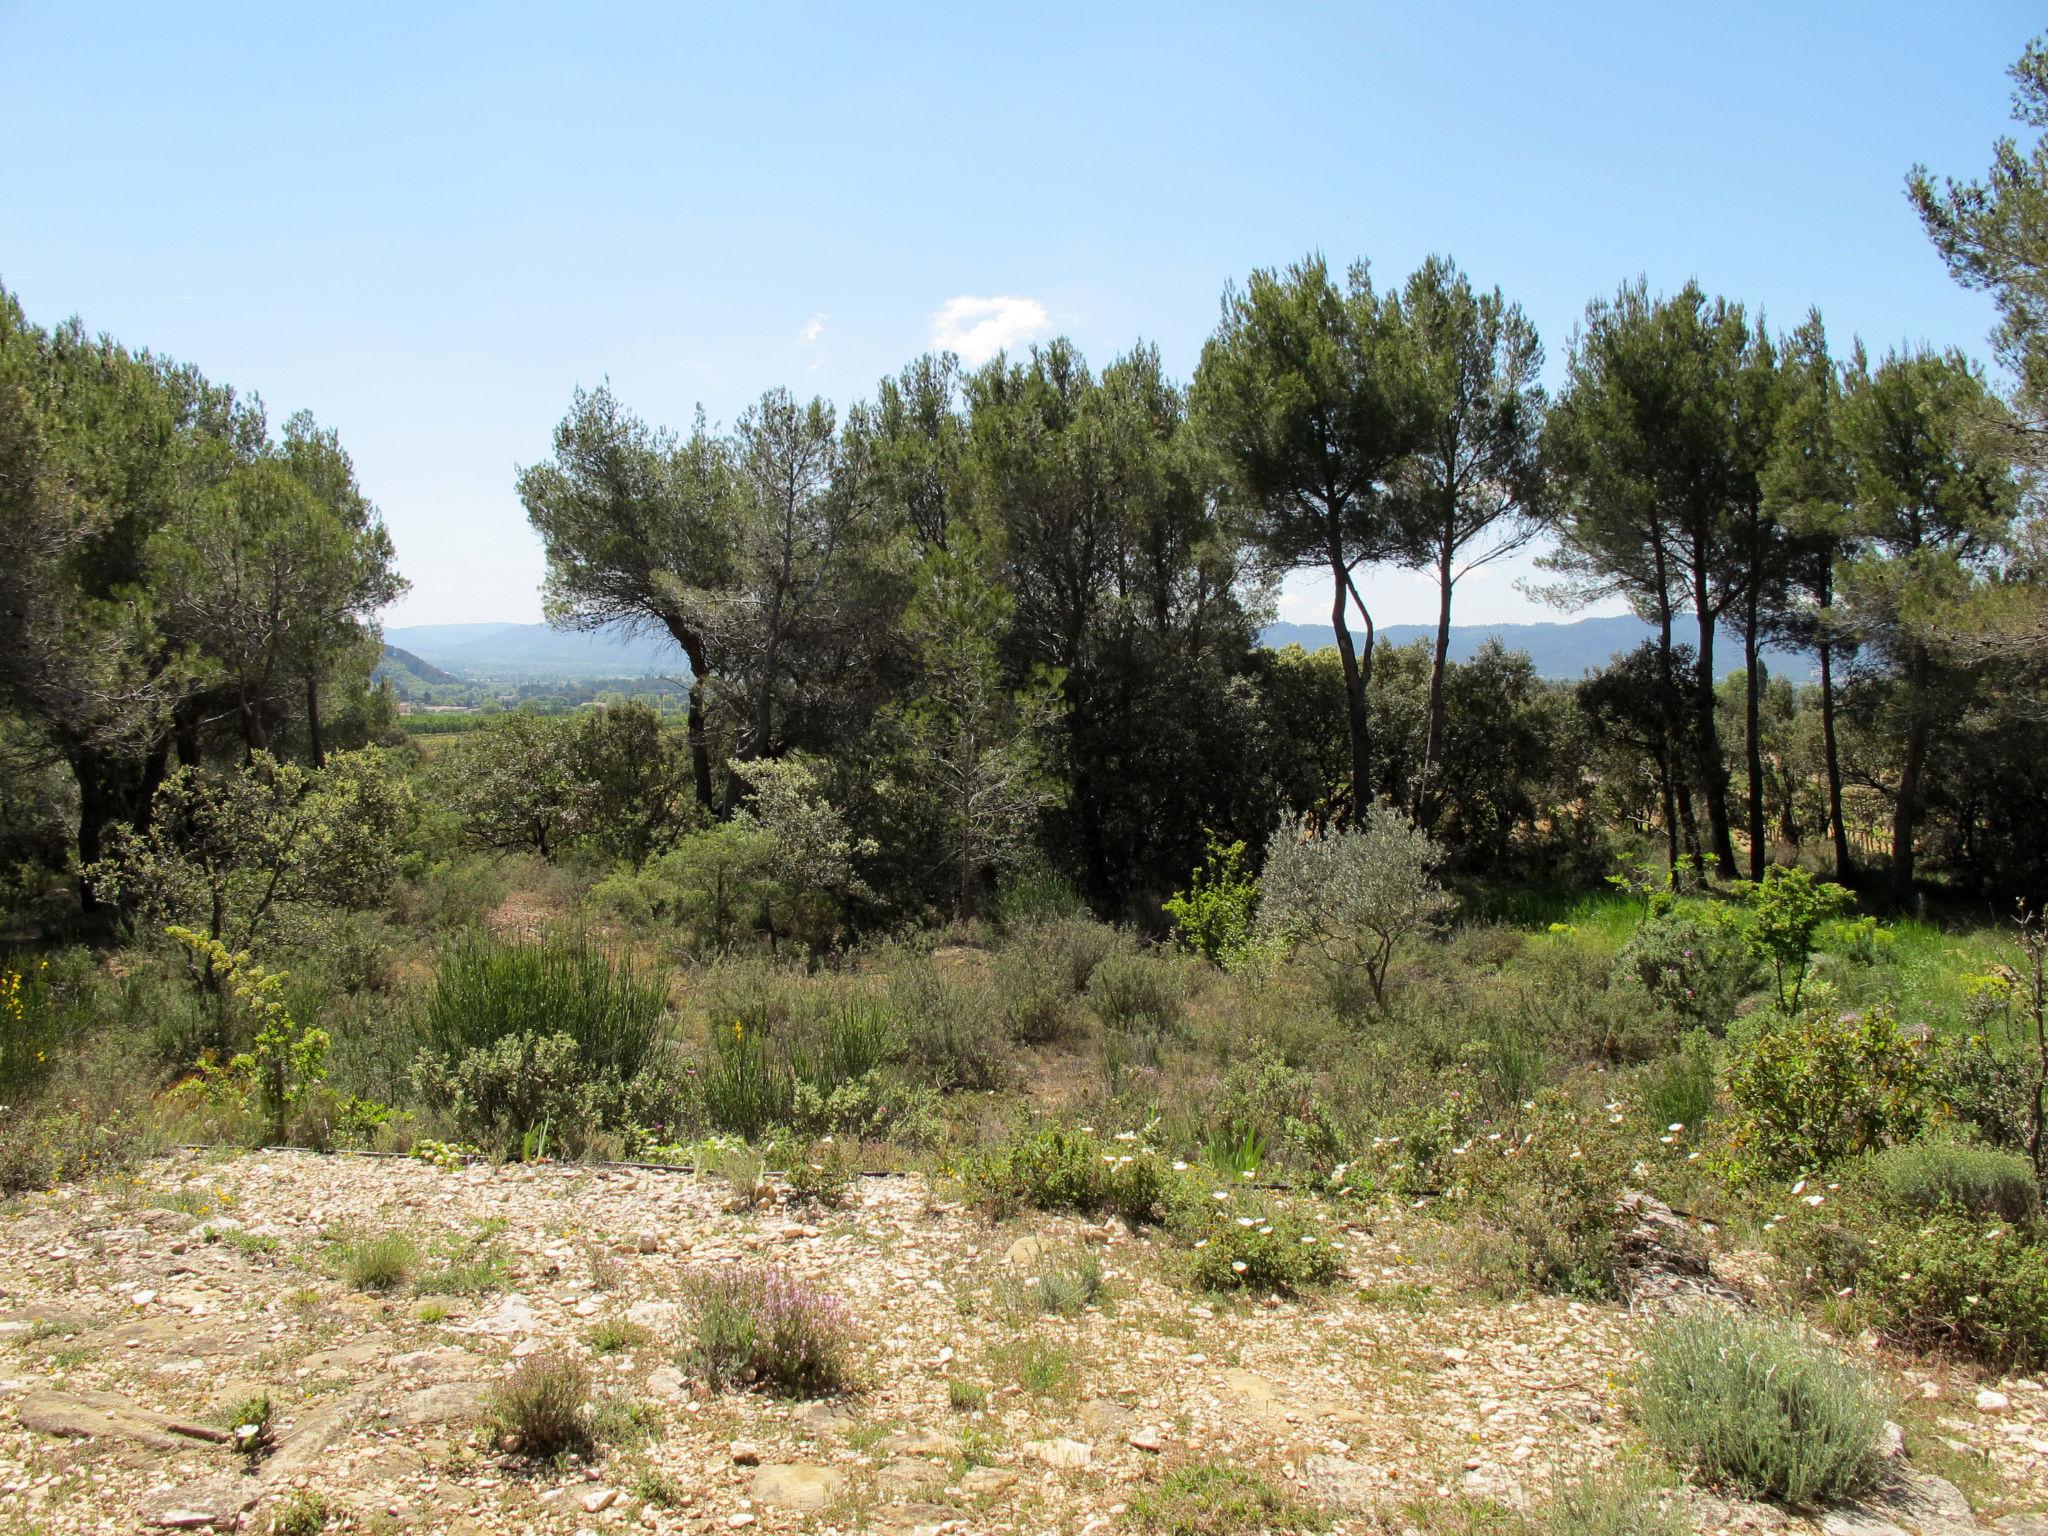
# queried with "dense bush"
point(523, 1041)
point(1817, 1088)
point(1922, 1177)
point(1247, 1242)
point(486, 990)
point(1055, 1170)
point(1759, 1407)
point(1546, 1196)
point(1695, 961)
point(1138, 994)
point(1214, 915)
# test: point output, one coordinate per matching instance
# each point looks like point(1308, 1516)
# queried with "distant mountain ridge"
point(483, 652)
point(1564, 650)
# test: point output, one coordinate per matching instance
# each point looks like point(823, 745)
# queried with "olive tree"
point(1354, 895)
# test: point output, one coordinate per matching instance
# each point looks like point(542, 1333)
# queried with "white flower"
point(1180, 1167)
point(1220, 1194)
point(1239, 1265)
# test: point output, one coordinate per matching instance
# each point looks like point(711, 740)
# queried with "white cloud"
point(979, 328)
point(813, 329)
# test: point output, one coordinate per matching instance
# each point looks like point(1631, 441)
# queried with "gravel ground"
point(135, 1316)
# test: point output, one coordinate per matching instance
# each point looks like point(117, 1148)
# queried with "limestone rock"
point(1064, 1454)
point(196, 1506)
point(798, 1485)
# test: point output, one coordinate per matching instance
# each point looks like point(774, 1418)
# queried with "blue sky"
point(429, 223)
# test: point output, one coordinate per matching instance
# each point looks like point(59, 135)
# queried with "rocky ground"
point(134, 1318)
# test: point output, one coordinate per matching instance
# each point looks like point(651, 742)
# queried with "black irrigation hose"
point(468, 1159)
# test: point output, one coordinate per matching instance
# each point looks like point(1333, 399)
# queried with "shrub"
point(1679, 1088)
point(1213, 916)
point(1786, 909)
point(29, 1029)
point(1817, 1088)
point(487, 990)
point(521, 1036)
point(1760, 1407)
point(951, 1034)
point(302, 1513)
point(746, 1086)
point(1619, 1500)
point(760, 1327)
point(1250, 1243)
point(1042, 1368)
point(1054, 1170)
point(1137, 994)
point(516, 1092)
point(1355, 895)
point(1924, 1176)
point(1696, 962)
point(381, 1263)
point(964, 1396)
point(542, 1408)
point(1209, 1499)
point(1941, 1281)
point(1549, 1197)
point(1037, 994)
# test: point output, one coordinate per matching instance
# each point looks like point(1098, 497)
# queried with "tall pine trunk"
point(1832, 758)
point(1711, 770)
point(1752, 728)
point(1432, 741)
point(313, 721)
point(1356, 718)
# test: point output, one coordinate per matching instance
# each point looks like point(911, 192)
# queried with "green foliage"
point(520, 1035)
point(1786, 911)
point(1679, 1089)
point(303, 1512)
point(1061, 1284)
point(1759, 1407)
point(512, 781)
point(1056, 1170)
point(240, 855)
point(1247, 1242)
point(1214, 915)
point(286, 1060)
point(1694, 961)
point(1356, 895)
point(1547, 1197)
point(29, 1029)
point(542, 1408)
point(1138, 993)
point(1212, 1499)
point(1814, 1089)
point(1922, 1177)
point(614, 1335)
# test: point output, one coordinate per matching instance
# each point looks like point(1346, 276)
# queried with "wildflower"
point(1239, 1266)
